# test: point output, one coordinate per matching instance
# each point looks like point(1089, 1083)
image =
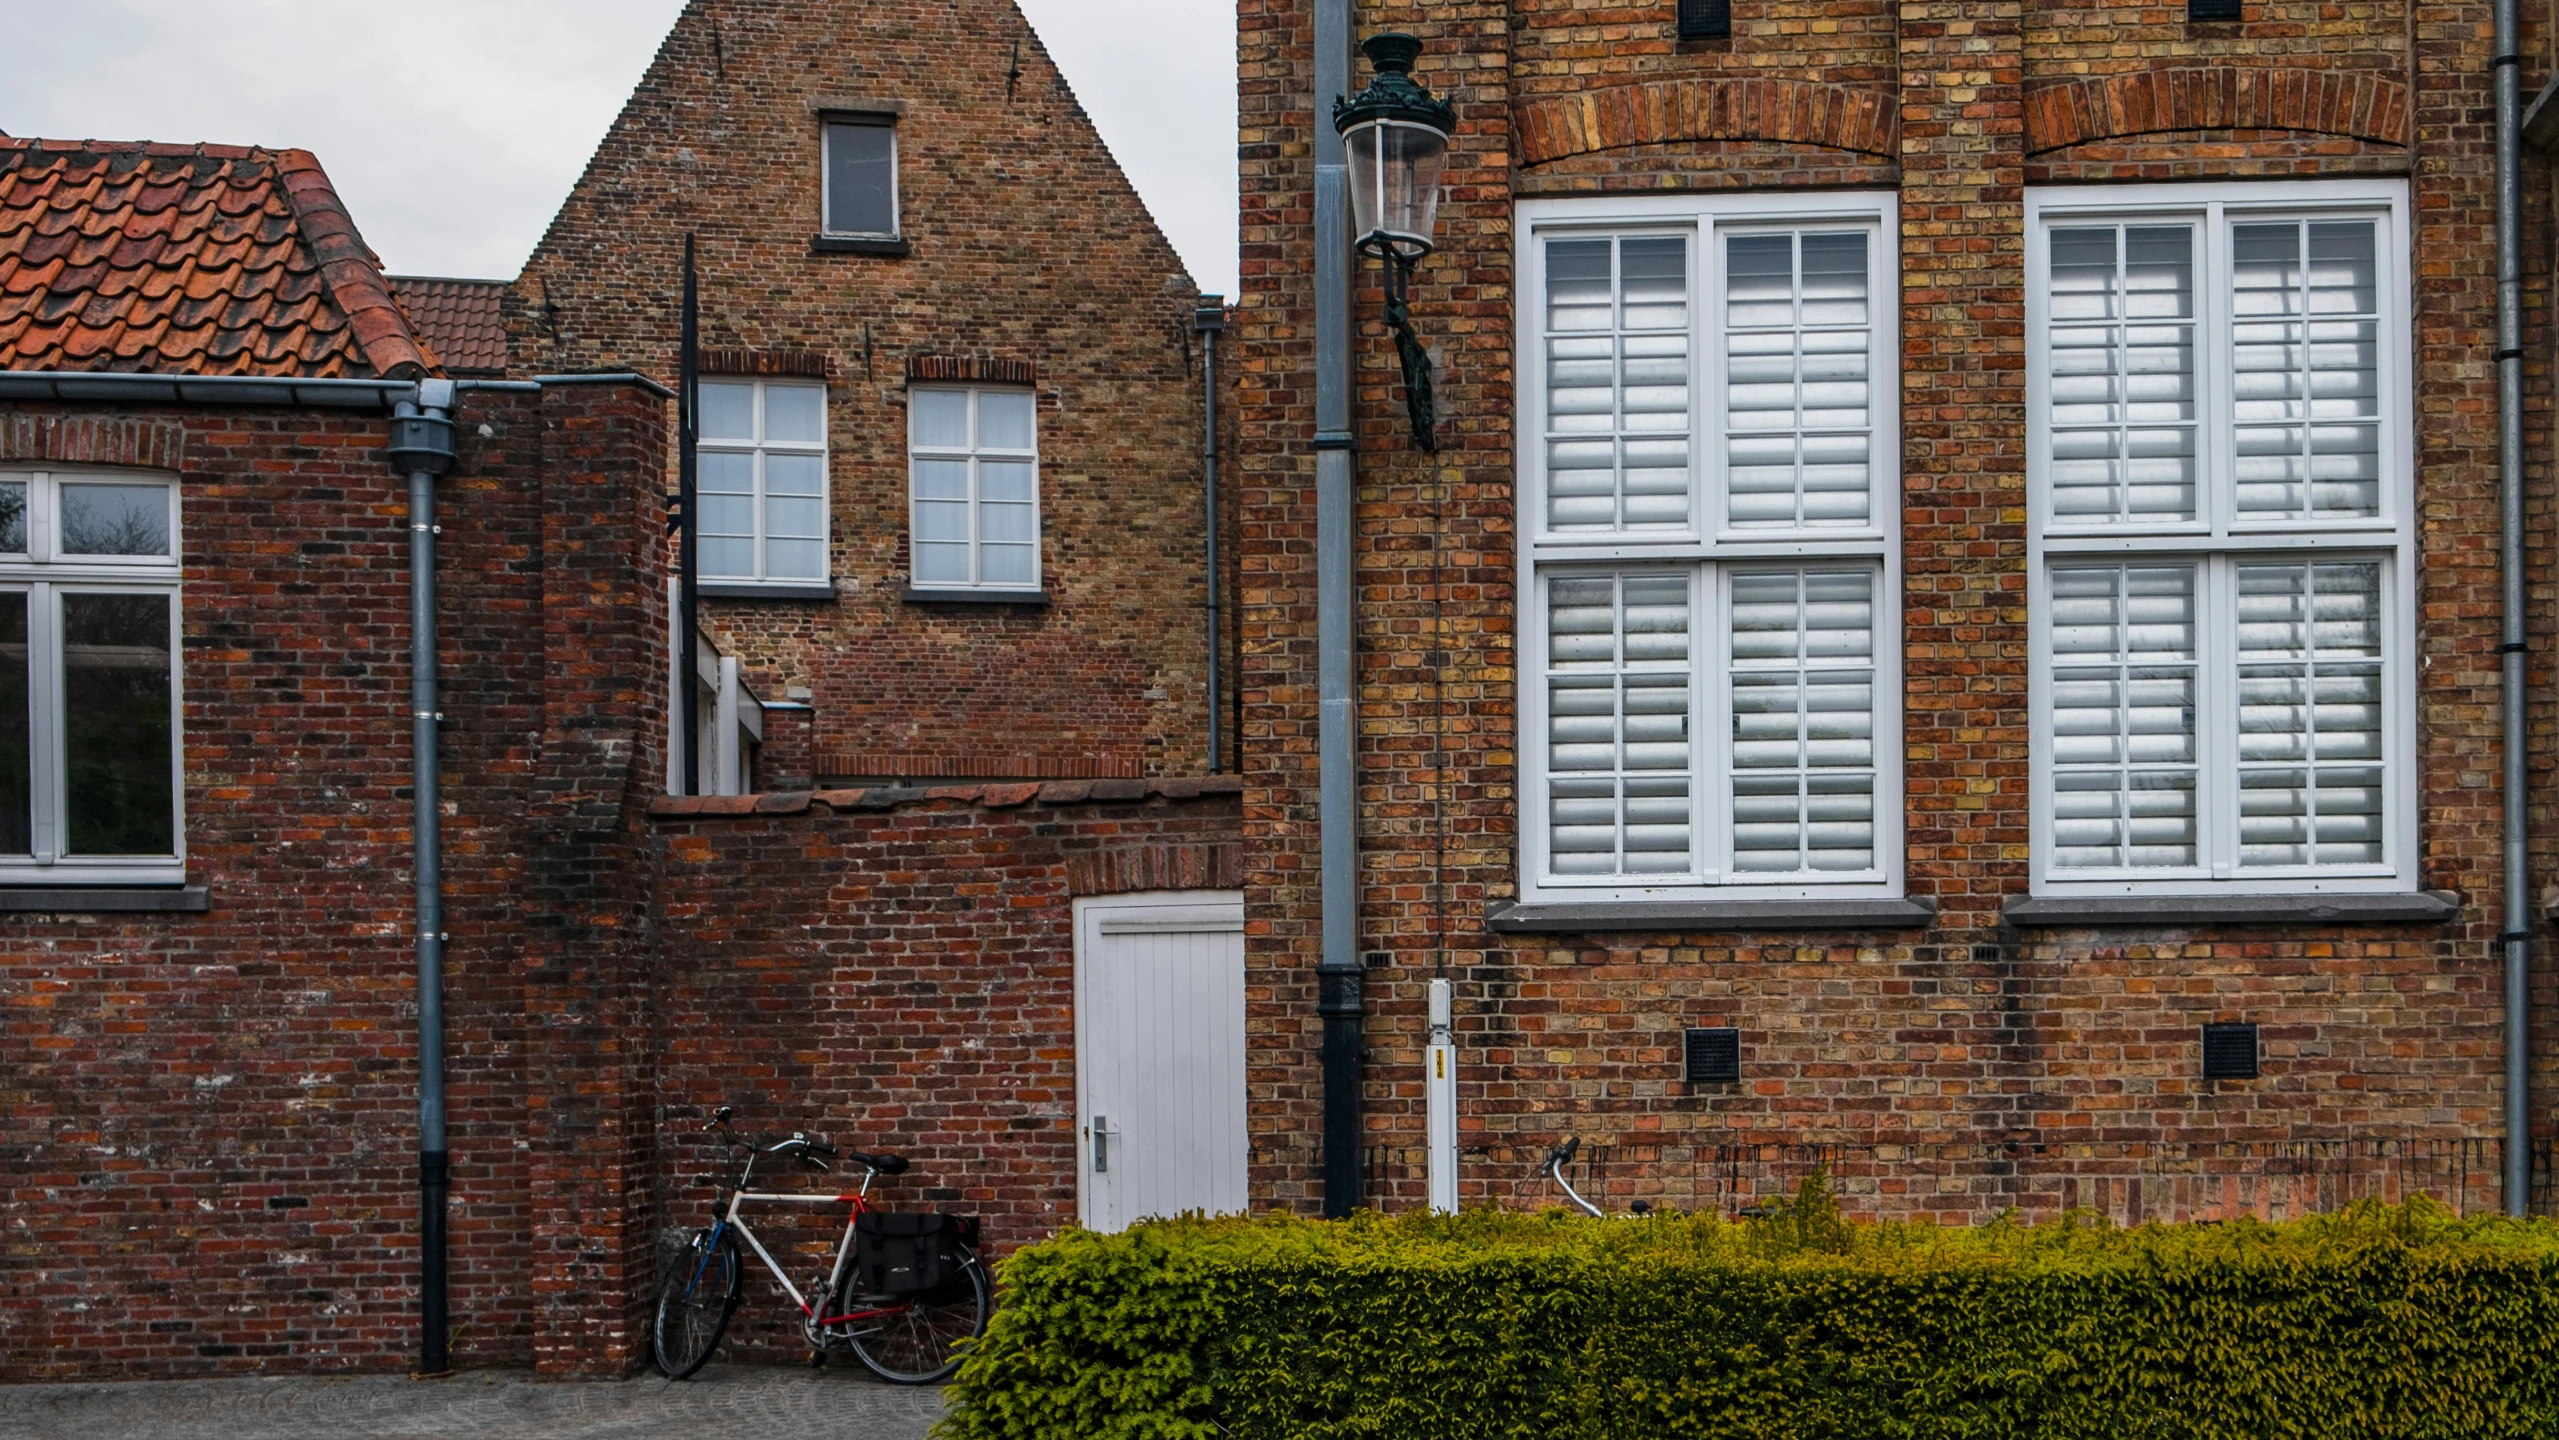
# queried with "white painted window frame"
point(759, 448)
point(44, 575)
point(826, 175)
point(1707, 549)
point(2217, 539)
point(972, 454)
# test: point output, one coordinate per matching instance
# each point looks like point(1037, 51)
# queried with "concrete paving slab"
point(839, 1403)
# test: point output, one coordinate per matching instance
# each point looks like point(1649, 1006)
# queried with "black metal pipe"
point(688, 379)
point(435, 1324)
point(1339, 1002)
point(1209, 319)
point(422, 447)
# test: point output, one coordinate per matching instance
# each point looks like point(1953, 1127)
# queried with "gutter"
point(105, 385)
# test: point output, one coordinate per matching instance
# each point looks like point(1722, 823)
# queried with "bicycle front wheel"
point(918, 1343)
point(695, 1301)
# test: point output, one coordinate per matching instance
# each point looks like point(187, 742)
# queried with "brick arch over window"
point(1658, 112)
point(92, 440)
point(2216, 97)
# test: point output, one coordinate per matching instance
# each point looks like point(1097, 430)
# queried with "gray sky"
point(453, 128)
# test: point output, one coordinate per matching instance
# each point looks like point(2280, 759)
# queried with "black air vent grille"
point(2212, 9)
point(1714, 1056)
point(1705, 19)
point(2230, 1052)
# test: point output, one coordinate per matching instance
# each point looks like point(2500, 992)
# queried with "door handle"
point(1101, 1145)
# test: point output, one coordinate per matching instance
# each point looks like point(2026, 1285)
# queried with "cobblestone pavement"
point(724, 1400)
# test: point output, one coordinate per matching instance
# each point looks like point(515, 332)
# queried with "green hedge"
point(2378, 1323)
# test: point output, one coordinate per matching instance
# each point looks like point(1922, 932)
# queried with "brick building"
point(207, 1004)
point(952, 406)
point(206, 967)
point(1963, 550)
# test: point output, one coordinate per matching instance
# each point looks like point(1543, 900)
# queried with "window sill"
point(850, 245)
point(742, 590)
point(2424, 907)
point(1033, 598)
point(101, 900)
point(1601, 917)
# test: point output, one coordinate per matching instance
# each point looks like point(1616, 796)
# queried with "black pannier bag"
point(901, 1254)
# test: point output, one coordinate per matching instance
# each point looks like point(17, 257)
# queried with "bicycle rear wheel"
point(918, 1343)
point(695, 1301)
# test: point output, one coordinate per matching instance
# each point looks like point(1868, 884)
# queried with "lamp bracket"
point(1419, 403)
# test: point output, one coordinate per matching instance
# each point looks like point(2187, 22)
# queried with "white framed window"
point(973, 464)
point(760, 470)
point(2221, 537)
point(859, 193)
point(1709, 460)
point(92, 776)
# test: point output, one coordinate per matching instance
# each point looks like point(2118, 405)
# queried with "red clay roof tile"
point(192, 259)
point(459, 320)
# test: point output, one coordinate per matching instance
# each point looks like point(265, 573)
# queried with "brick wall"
point(1987, 1065)
point(903, 980)
point(211, 1158)
point(1030, 258)
point(210, 1161)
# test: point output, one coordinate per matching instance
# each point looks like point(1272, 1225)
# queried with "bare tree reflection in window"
point(17, 793)
point(117, 729)
point(115, 520)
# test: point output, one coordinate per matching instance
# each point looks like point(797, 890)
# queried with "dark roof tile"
point(203, 259)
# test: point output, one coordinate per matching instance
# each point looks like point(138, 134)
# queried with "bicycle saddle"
point(885, 1164)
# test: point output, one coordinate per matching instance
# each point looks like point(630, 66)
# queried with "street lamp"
point(1395, 139)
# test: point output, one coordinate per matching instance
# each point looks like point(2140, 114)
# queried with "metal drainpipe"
point(1337, 974)
point(2517, 936)
point(1209, 319)
point(688, 619)
point(422, 446)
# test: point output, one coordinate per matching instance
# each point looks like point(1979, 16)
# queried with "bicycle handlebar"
point(1556, 1159)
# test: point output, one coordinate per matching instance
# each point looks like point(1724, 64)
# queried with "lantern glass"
point(1394, 175)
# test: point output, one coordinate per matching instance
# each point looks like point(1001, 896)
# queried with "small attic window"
point(1705, 19)
point(861, 176)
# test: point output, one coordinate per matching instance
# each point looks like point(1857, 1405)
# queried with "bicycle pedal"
point(817, 1359)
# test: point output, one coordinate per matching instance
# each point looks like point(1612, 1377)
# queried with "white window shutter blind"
point(1617, 378)
point(1803, 720)
point(1618, 725)
point(1797, 412)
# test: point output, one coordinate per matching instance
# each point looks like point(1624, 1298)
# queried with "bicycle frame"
point(730, 1219)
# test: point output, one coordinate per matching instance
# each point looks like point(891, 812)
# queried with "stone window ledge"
point(730, 590)
point(102, 900)
point(849, 245)
point(1655, 916)
point(974, 597)
point(2426, 907)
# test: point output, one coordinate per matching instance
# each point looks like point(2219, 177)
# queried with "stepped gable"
point(458, 319)
point(189, 259)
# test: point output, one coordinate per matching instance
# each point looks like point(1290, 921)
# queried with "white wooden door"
point(1159, 1055)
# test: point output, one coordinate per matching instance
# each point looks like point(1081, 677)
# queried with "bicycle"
point(1556, 1159)
point(931, 1292)
point(1553, 1169)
